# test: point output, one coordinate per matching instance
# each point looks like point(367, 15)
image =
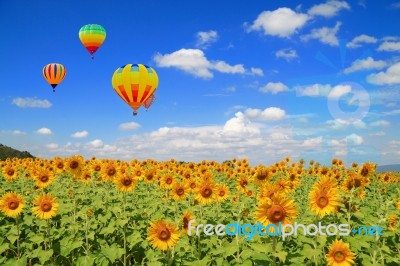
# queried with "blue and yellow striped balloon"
point(54, 73)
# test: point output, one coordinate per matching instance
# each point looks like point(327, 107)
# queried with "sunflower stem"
point(125, 217)
point(18, 234)
point(274, 242)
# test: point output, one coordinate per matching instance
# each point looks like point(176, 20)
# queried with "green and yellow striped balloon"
point(92, 37)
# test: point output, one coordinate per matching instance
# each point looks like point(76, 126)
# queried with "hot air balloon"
point(92, 37)
point(149, 101)
point(54, 73)
point(135, 84)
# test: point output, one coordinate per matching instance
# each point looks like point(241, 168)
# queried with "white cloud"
point(354, 139)
point(338, 91)
point(313, 90)
point(18, 132)
point(129, 126)
point(391, 76)
point(287, 54)
point(206, 38)
point(282, 22)
point(31, 103)
point(358, 40)
point(365, 64)
point(223, 67)
point(274, 87)
point(44, 131)
point(194, 61)
point(389, 46)
point(240, 124)
point(268, 114)
point(256, 71)
point(80, 134)
point(380, 123)
point(52, 146)
point(325, 35)
point(95, 144)
point(312, 142)
point(378, 134)
point(328, 9)
point(340, 124)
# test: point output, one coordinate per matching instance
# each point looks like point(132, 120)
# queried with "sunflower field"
point(72, 211)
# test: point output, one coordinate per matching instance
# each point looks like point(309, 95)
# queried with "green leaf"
point(4, 247)
point(230, 249)
point(14, 262)
point(37, 239)
point(113, 252)
point(44, 255)
point(85, 261)
point(281, 255)
point(67, 245)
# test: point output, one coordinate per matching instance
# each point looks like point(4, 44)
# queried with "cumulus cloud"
point(44, 131)
point(361, 39)
point(329, 9)
point(31, 103)
point(194, 61)
point(97, 143)
point(52, 146)
point(389, 77)
point(256, 71)
point(282, 22)
point(313, 90)
point(287, 54)
point(274, 88)
point(268, 114)
point(206, 38)
point(340, 124)
point(338, 91)
point(80, 134)
point(365, 64)
point(18, 132)
point(389, 46)
point(324, 35)
point(380, 123)
point(354, 139)
point(129, 126)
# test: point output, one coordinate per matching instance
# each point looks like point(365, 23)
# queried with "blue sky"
point(255, 79)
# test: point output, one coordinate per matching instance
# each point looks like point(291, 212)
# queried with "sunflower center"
point(111, 171)
point(276, 214)
point(60, 165)
point(149, 176)
point(206, 192)
point(364, 171)
point(13, 204)
point(180, 191)
point(126, 181)
point(46, 206)
point(168, 181)
point(354, 183)
point(44, 178)
point(10, 172)
point(339, 256)
point(322, 201)
point(73, 164)
point(164, 234)
point(138, 173)
point(192, 185)
point(185, 222)
point(221, 193)
point(244, 183)
point(97, 168)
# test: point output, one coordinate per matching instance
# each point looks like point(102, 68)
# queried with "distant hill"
point(8, 152)
point(389, 168)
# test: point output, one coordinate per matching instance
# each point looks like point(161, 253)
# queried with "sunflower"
point(86, 176)
point(355, 180)
point(187, 216)
point(275, 210)
point(283, 185)
point(150, 176)
point(205, 193)
point(10, 172)
point(367, 169)
point(163, 235)
point(393, 220)
point(167, 181)
point(138, 172)
point(43, 177)
point(339, 254)
point(45, 207)
point(262, 174)
point(11, 204)
point(59, 164)
point(191, 184)
point(242, 183)
point(222, 192)
point(125, 182)
point(179, 191)
point(75, 164)
point(324, 202)
point(109, 171)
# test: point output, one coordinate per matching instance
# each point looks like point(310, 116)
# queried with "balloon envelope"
point(135, 84)
point(92, 37)
point(54, 73)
